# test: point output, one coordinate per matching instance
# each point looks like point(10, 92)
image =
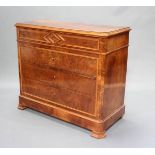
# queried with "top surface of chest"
point(94, 30)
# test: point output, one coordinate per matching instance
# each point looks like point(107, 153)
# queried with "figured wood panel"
point(114, 83)
point(48, 59)
point(60, 96)
point(61, 79)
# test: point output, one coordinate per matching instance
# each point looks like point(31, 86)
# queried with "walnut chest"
point(73, 72)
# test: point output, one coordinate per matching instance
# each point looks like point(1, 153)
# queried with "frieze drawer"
point(58, 39)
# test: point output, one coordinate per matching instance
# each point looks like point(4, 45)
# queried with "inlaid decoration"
point(53, 38)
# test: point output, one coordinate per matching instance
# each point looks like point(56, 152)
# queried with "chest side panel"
point(115, 75)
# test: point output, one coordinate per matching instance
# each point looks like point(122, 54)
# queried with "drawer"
point(61, 79)
point(61, 97)
point(58, 38)
point(85, 66)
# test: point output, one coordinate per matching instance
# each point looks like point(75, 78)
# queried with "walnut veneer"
point(74, 72)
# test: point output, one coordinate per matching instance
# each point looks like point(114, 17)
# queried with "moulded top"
point(97, 30)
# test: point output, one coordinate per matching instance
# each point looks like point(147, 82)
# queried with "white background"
point(32, 129)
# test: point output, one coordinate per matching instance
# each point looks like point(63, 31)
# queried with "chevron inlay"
point(53, 38)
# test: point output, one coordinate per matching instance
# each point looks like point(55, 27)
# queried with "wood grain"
point(73, 72)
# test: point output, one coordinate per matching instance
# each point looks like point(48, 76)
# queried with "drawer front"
point(61, 97)
point(58, 38)
point(85, 66)
point(60, 79)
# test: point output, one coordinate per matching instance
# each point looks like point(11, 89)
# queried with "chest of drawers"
point(73, 72)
